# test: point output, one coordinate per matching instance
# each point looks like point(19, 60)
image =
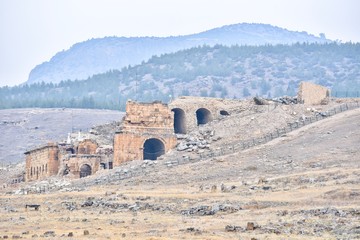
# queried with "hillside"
point(95, 56)
point(219, 71)
point(23, 129)
point(302, 185)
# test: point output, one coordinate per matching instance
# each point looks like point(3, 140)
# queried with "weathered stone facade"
point(42, 162)
point(87, 146)
point(189, 112)
point(62, 159)
point(147, 132)
point(312, 94)
point(81, 165)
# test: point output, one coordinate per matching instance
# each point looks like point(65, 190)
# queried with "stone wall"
point(188, 110)
point(87, 146)
point(146, 128)
point(75, 163)
point(42, 162)
point(53, 159)
point(312, 94)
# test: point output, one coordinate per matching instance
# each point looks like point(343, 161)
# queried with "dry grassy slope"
point(305, 185)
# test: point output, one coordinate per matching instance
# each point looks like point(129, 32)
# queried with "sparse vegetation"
point(219, 71)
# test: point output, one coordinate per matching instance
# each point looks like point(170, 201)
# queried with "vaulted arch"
point(85, 170)
point(153, 148)
point(203, 116)
point(179, 121)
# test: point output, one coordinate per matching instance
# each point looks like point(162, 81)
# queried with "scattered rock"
point(233, 228)
point(227, 189)
point(49, 234)
point(251, 226)
point(191, 230)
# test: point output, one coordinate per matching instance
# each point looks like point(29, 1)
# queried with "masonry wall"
point(75, 162)
point(87, 147)
point(42, 162)
point(130, 146)
point(143, 121)
point(216, 106)
point(312, 94)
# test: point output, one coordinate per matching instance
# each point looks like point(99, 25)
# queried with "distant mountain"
point(95, 56)
point(219, 71)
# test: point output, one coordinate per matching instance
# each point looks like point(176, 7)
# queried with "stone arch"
point(153, 148)
point(203, 116)
point(85, 170)
point(179, 120)
point(224, 113)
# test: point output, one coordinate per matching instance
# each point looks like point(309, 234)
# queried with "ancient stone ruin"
point(312, 94)
point(190, 112)
point(148, 131)
point(42, 162)
point(76, 159)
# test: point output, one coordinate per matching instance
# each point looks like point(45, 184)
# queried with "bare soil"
point(303, 185)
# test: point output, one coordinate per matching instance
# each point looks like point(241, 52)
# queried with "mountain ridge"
point(98, 55)
point(219, 71)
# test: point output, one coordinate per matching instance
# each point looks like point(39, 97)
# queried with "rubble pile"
point(197, 141)
point(282, 100)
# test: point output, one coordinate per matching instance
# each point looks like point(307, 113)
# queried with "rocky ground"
point(302, 185)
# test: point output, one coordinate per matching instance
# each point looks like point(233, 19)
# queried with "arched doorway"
point(153, 148)
point(203, 116)
point(85, 170)
point(179, 121)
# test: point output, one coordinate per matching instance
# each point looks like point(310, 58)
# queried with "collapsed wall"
point(312, 94)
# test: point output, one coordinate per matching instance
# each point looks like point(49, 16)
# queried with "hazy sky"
point(32, 31)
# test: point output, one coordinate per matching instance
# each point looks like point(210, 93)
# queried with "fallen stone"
point(232, 228)
point(49, 234)
point(251, 226)
point(182, 147)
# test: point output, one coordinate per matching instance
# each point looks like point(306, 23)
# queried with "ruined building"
point(78, 159)
point(190, 112)
point(312, 94)
point(42, 162)
point(147, 132)
point(149, 129)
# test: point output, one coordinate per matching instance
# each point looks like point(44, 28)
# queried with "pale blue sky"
point(32, 31)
